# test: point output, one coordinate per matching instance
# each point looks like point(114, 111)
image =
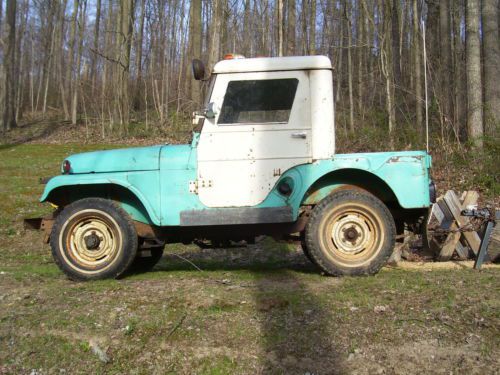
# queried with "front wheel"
point(93, 238)
point(350, 232)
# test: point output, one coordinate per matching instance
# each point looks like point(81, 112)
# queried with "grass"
point(261, 309)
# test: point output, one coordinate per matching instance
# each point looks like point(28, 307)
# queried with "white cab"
point(271, 114)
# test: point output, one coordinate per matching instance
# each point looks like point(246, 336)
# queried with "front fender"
point(144, 185)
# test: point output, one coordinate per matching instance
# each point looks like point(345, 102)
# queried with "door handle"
point(302, 135)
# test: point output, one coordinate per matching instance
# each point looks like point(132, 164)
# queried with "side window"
point(258, 101)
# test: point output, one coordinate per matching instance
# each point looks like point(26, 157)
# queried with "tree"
point(1, 14)
point(9, 66)
point(417, 66)
point(474, 83)
point(491, 66)
point(96, 41)
point(127, 11)
point(280, 27)
point(76, 85)
point(291, 22)
point(348, 15)
point(445, 61)
point(214, 48)
point(312, 28)
point(386, 64)
point(195, 34)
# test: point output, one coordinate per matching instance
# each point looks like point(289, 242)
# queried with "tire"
point(143, 263)
point(305, 249)
point(93, 238)
point(350, 232)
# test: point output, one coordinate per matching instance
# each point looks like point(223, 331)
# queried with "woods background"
point(116, 65)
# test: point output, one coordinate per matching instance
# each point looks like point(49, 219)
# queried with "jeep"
point(261, 161)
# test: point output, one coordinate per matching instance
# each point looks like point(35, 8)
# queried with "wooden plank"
point(470, 198)
point(437, 213)
point(462, 251)
point(449, 245)
point(448, 218)
point(462, 198)
point(454, 205)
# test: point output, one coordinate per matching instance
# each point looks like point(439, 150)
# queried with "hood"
point(177, 157)
point(121, 160)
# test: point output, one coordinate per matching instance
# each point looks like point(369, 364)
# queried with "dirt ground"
point(259, 309)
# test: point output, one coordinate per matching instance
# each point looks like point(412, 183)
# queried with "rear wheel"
point(350, 232)
point(93, 238)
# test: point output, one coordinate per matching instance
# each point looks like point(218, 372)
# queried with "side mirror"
point(198, 69)
point(210, 111)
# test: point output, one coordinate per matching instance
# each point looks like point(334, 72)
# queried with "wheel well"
point(360, 179)
point(64, 195)
point(354, 178)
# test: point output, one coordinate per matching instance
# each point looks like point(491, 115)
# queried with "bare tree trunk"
point(214, 47)
point(21, 58)
point(9, 65)
point(348, 15)
point(360, 55)
point(304, 45)
point(460, 86)
point(445, 60)
point(280, 27)
point(96, 42)
point(312, 28)
point(138, 55)
point(417, 65)
point(69, 66)
point(195, 34)
point(396, 58)
point(386, 66)
point(340, 57)
point(62, 59)
point(491, 50)
point(76, 85)
point(138, 58)
point(1, 15)
point(291, 25)
point(49, 63)
point(474, 82)
point(126, 28)
point(246, 27)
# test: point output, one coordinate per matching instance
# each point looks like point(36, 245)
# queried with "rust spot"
point(144, 230)
point(396, 159)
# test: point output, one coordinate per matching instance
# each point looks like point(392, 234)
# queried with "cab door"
point(260, 129)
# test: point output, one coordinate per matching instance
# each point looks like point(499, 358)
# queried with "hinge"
point(194, 185)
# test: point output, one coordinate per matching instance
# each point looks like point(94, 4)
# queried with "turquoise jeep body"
point(152, 184)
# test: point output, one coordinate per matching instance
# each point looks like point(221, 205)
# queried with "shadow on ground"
point(294, 321)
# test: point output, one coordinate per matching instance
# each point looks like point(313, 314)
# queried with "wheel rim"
point(91, 241)
point(352, 234)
